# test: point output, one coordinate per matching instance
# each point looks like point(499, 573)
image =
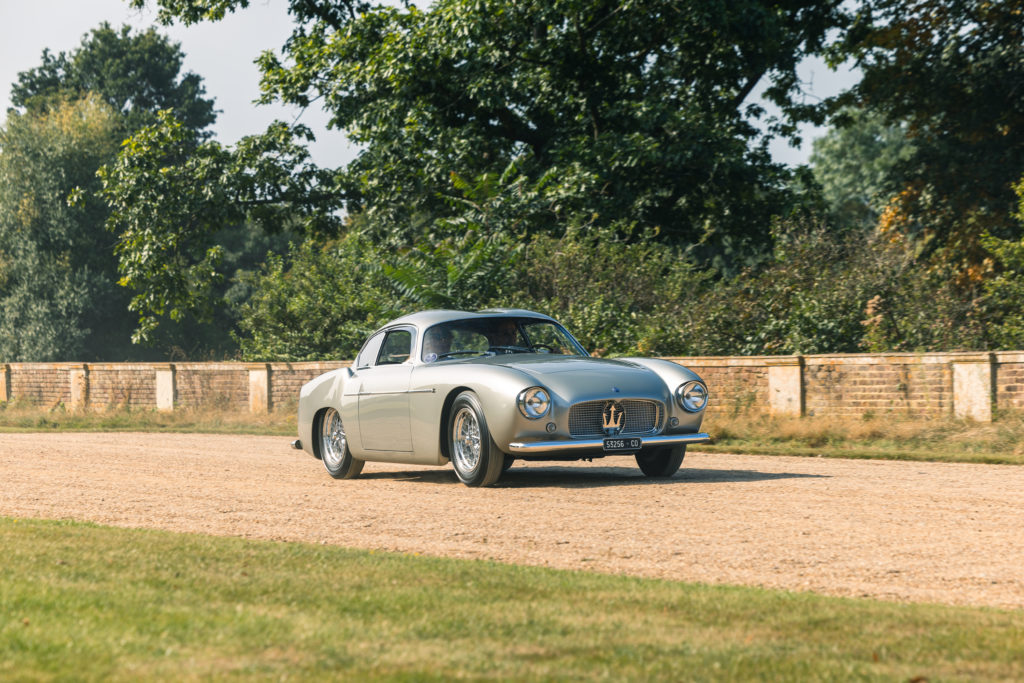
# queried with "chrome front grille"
point(642, 417)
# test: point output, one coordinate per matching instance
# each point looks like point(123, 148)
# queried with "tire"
point(661, 462)
point(332, 446)
point(476, 458)
point(509, 461)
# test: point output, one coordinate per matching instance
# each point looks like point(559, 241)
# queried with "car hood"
point(576, 378)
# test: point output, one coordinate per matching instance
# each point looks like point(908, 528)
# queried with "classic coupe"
point(482, 390)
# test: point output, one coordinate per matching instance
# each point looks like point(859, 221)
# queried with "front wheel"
point(476, 458)
point(334, 450)
point(661, 462)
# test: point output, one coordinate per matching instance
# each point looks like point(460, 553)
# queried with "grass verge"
point(16, 417)
point(942, 440)
point(83, 602)
point(949, 440)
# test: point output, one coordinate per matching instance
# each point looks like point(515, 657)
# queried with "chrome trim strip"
point(393, 393)
point(598, 444)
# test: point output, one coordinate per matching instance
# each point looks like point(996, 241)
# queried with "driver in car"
point(436, 343)
point(505, 333)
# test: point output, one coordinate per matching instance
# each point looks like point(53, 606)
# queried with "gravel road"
point(920, 532)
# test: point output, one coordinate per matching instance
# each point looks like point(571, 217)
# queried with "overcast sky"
point(223, 54)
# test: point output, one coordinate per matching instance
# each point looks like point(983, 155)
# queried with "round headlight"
point(692, 396)
point(534, 402)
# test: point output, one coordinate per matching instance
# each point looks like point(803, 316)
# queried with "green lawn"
point(83, 602)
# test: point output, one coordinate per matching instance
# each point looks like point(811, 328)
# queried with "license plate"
point(625, 445)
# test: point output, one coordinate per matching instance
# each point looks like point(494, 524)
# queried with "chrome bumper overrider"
point(598, 444)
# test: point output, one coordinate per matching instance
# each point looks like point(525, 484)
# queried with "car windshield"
point(494, 336)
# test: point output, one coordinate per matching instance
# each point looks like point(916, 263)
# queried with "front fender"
point(433, 387)
point(674, 374)
point(324, 391)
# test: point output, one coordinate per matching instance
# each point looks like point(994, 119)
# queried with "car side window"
point(396, 349)
point(368, 354)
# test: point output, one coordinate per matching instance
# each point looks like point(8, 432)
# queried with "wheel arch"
point(446, 411)
point(318, 416)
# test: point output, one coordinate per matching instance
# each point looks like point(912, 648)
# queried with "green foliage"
point(809, 299)
point(618, 297)
point(171, 196)
point(457, 272)
point(58, 271)
point(319, 303)
point(646, 101)
point(58, 299)
point(822, 292)
point(136, 75)
point(856, 165)
point(1005, 289)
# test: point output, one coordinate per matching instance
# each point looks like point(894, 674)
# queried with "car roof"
point(425, 319)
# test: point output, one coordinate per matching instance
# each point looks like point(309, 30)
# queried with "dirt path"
point(894, 530)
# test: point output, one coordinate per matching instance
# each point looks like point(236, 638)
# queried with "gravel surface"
point(906, 531)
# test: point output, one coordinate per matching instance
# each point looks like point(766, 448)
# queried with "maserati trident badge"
point(612, 418)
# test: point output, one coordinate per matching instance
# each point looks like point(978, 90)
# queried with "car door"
point(384, 395)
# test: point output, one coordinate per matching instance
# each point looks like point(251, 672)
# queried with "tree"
point(640, 110)
point(137, 75)
point(321, 302)
point(856, 165)
point(58, 297)
point(1005, 291)
point(171, 197)
point(59, 270)
point(951, 73)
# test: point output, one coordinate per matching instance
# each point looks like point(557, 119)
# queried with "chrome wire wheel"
point(466, 440)
point(333, 444)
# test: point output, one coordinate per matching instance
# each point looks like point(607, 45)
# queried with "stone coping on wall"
point(853, 359)
point(190, 365)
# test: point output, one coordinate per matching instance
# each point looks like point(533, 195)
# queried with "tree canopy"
point(640, 112)
point(136, 74)
point(58, 293)
point(58, 272)
point(952, 73)
point(172, 196)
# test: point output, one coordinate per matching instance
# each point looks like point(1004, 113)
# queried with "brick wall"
point(44, 384)
point(975, 385)
point(855, 385)
point(218, 385)
point(121, 385)
point(1010, 381)
point(287, 378)
point(737, 385)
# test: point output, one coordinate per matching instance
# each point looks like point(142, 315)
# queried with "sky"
point(223, 53)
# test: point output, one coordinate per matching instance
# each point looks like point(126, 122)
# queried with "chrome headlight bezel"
point(534, 402)
point(692, 396)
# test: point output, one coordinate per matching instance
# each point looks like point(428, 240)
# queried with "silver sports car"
point(484, 389)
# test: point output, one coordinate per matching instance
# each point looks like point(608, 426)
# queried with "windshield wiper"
point(449, 354)
point(509, 349)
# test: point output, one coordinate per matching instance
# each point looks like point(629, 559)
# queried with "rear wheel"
point(476, 458)
point(333, 446)
point(661, 462)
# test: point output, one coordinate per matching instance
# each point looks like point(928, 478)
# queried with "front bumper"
point(568, 446)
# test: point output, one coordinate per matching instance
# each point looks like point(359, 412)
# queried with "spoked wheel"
point(334, 451)
point(661, 462)
point(476, 458)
